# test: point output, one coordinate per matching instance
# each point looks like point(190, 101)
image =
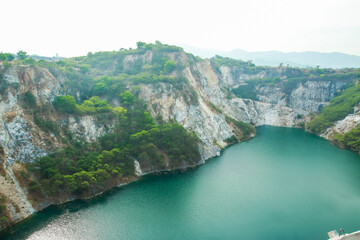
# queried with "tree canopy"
point(22, 55)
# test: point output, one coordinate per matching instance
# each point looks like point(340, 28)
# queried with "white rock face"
point(230, 80)
point(210, 127)
point(350, 122)
point(274, 107)
point(87, 128)
point(271, 109)
point(138, 171)
point(17, 197)
point(18, 140)
point(262, 113)
point(129, 60)
point(227, 77)
point(16, 133)
point(19, 143)
point(312, 96)
point(39, 81)
point(271, 94)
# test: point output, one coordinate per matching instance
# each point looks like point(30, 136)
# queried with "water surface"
point(283, 184)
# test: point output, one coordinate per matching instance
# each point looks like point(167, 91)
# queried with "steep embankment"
point(216, 100)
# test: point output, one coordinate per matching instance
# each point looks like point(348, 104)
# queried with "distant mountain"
point(274, 58)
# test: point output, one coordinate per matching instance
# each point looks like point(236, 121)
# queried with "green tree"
point(30, 100)
point(140, 45)
point(169, 66)
point(100, 105)
point(65, 104)
point(84, 68)
point(70, 183)
point(10, 56)
point(94, 105)
point(3, 57)
point(22, 55)
point(100, 89)
point(6, 57)
point(127, 98)
point(143, 157)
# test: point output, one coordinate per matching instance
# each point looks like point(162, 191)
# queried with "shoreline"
point(117, 186)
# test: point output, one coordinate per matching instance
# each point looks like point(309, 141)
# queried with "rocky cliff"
point(203, 104)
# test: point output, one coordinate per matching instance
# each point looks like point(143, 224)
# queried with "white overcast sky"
point(76, 27)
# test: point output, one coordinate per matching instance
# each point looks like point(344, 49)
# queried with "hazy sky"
point(76, 27)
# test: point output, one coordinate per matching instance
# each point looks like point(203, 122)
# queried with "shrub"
point(169, 66)
point(2, 209)
point(6, 57)
point(100, 89)
point(22, 55)
point(34, 186)
point(46, 125)
point(94, 105)
point(29, 100)
point(84, 68)
point(65, 104)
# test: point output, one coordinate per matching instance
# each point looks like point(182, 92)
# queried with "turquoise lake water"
point(283, 184)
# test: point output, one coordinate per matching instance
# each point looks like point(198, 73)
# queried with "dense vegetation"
point(6, 57)
point(338, 108)
point(350, 140)
point(89, 168)
point(93, 105)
